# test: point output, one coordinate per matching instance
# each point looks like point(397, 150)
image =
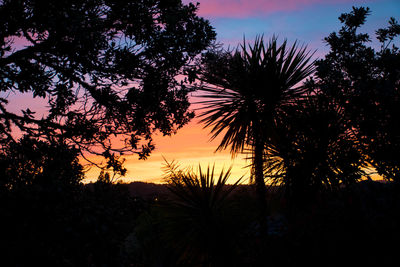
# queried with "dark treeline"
point(50, 219)
point(192, 221)
point(313, 130)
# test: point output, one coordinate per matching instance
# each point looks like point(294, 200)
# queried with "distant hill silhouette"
point(148, 191)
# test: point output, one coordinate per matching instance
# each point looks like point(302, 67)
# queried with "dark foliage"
point(365, 83)
point(199, 224)
point(355, 225)
point(245, 90)
point(347, 227)
point(64, 228)
point(104, 67)
point(312, 140)
point(313, 151)
point(50, 219)
point(347, 121)
point(32, 163)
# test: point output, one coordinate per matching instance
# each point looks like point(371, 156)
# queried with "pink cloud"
point(243, 8)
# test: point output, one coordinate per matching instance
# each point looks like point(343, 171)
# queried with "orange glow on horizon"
point(189, 148)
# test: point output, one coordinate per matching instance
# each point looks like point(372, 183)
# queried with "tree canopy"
point(347, 121)
point(105, 68)
point(364, 81)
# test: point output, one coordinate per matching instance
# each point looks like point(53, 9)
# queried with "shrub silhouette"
point(313, 150)
point(199, 224)
point(49, 218)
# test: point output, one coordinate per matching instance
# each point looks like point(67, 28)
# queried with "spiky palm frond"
point(245, 89)
point(199, 225)
point(194, 190)
point(314, 148)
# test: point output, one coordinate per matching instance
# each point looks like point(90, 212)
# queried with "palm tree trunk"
point(260, 184)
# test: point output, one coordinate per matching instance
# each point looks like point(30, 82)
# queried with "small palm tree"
point(315, 149)
point(201, 217)
point(244, 93)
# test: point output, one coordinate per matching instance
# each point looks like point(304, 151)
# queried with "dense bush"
point(50, 219)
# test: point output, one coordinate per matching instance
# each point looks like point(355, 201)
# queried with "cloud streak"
point(243, 8)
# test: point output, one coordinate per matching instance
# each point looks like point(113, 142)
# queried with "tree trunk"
point(260, 184)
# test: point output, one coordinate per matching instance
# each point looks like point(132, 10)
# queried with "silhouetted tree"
point(200, 208)
point(245, 92)
point(30, 162)
point(365, 82)
point(50, 218)
point(104, 67)
point(314, 150)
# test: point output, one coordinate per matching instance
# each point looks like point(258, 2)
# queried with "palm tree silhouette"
point(200, 207)
point(244, 92)
point(315, 149)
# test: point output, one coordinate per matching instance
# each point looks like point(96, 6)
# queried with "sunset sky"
point(307, 21)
